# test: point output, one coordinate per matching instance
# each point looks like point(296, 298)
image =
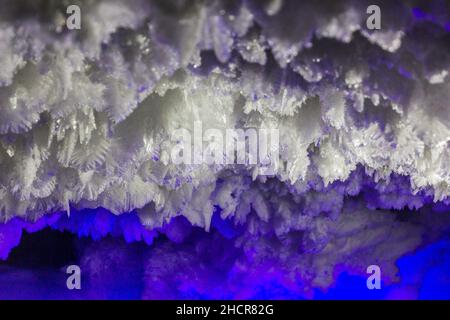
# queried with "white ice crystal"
point(86, 116)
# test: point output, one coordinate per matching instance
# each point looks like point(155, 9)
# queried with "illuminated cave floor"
point(36, 270)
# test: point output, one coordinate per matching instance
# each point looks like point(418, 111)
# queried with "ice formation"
point(363, 118)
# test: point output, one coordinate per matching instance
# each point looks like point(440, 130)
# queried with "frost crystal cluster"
point(363, 116)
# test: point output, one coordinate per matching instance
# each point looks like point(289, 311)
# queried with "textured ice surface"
point(188, 263)
point(86, 118)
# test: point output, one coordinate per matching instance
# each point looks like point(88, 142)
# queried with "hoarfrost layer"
point(86, 116)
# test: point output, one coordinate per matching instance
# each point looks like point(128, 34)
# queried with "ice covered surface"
point(86, 118)
point(182, 263)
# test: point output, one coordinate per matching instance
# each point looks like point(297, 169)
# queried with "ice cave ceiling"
point(86, 119)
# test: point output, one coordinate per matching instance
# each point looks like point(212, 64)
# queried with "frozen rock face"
point(88, 117)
